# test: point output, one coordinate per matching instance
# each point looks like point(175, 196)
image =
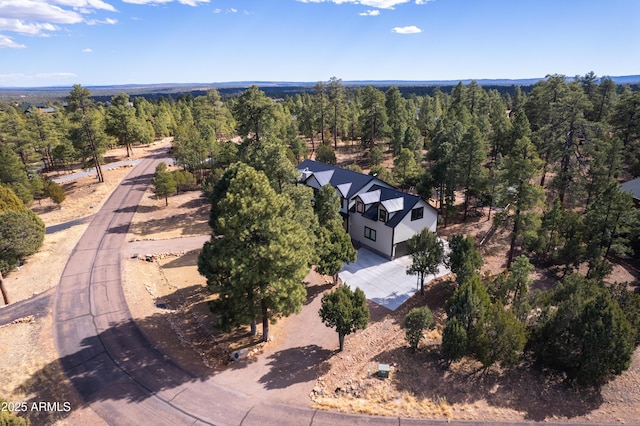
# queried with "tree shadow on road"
point(316, 290)
point(138, 209)
point(123, 363)
point(138, 179)
point(135, 373)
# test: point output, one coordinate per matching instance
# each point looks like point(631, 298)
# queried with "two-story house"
point(376, 215)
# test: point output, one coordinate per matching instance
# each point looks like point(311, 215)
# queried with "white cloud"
point(8, 43)
point(11, 77)
point(379, 4)
point(108, 21)
point(28, 79)
point(37, 11)
point(154, 2)
point(193, 3)
point(87, 50)
point(370, 13)
point(56, 76)
point(88, 5)
point(423, 1)
point(232, 10)
point(41, 17)
point(21, 27)
point(411, 29)
point(382, 4)
point(38, 17)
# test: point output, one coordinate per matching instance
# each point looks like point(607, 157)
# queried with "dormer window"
point(359, 206)
point(382, 215)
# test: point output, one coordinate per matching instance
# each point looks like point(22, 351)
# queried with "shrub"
point(21, 235)
point(325, 154)
point(185, 180)
point(55, 192)
point(416, 321)
point(9, 201)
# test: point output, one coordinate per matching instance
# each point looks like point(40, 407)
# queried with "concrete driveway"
point(384, 281)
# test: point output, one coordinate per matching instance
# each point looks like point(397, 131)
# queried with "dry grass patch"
point(375, 401)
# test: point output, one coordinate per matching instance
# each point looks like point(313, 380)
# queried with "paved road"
point(66, 225)
point(38, 306)
point(92, 171)
point(117, 371)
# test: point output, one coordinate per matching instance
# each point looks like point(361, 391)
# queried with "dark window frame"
point(417, 213)
point(359, 206)
point(370, 233)
point(383, 215)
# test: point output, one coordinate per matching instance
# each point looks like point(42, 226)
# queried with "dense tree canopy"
point(13, 174)
point(87, 130)
point(464, 258)
point(21, 234)
point(583, 332)
point(549, 159)
point(258, 253)
point(123, 123)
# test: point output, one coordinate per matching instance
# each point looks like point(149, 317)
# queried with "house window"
point(359, 206)
point(370, 233)
point(417, 213)
point(382, 215)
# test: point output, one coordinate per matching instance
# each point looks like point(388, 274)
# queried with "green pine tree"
point(345, 310)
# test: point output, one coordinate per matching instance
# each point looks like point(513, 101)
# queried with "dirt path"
point(287, 370)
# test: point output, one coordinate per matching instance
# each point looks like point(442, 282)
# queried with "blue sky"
point(105, 42)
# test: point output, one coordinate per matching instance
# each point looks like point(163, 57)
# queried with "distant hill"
point(271, 88)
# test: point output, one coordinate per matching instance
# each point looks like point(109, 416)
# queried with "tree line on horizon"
point(552, 160)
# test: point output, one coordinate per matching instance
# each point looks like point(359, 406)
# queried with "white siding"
point(382, 244)
point(408, 228)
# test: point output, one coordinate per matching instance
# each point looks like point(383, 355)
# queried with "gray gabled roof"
point(338, 178)
point(394, 198)
point(370, 197)
point(344, 189)
point(393, 205)
point(349, 183)
point(632, 186)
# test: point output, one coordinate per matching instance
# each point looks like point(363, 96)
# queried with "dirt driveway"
point(283, 370)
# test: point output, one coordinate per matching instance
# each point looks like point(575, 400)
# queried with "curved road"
point(117, 371)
